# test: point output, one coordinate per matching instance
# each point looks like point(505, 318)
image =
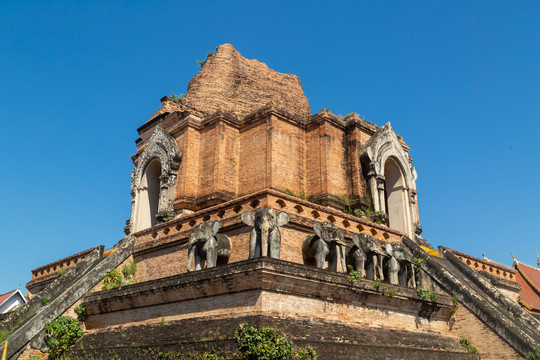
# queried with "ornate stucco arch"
point(382, 147)
point(163, 147)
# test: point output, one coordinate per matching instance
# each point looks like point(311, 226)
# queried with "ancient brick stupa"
point(246, 208)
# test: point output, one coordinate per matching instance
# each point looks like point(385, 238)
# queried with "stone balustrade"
point(495, 269)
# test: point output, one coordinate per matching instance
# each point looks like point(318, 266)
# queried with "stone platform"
point(340, 319)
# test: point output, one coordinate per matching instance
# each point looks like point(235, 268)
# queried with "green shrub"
point(376, 284)
point(353, 274)
point(177, 98)
point(307, 353)
point(418, 263)
point(201, 63)
point(129, 269)
point(266, 343)
point(422, 294)
point(45, 300)
point(62, 333)
point(389, 292)
point(535, 355)
point(262, 343)
point(4, 334)
point(81, 312)
point(112, 280)
point(61, 271)
point(455, 301)
point(467, 344)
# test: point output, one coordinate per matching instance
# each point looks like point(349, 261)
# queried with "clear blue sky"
point(459, 80)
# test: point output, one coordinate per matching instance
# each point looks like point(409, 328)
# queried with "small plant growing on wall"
point(177, 98)
point(4, 334)
point(62, 333)
point(418, 263)
point(534, 355)
point(353, 274)
point(455, 301)
point(389, 292)
point(201, 63)
point(467, 344)
point(112, 280)
point(128, 270)
point(80, 310)
point(61, 271)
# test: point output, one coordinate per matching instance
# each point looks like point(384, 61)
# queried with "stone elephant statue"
point(327, 244)
point(265, 238)
point(399, 267)
point(356, 257)
point(374, 253)
point(206, 245)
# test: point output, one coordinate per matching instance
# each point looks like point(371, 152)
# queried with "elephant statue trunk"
point(399, 267)
point(265, 237)
point(205, 245)
point(373, 253)
point(327, 244)
point(265, 229)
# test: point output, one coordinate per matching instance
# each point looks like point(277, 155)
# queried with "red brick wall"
point(489, 345)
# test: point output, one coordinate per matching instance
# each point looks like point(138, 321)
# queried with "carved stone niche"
point(391, 179)
point(153, 181)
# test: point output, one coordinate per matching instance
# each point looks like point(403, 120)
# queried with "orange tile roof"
point(529, 279)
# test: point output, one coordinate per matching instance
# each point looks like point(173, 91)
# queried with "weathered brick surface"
point(330, 340)
point(266, 287)
point(225, 155)
point(188, 173)
point(231, 83)
point(287, 155)
point(489, 345)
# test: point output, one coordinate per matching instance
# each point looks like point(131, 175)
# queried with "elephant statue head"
point(327, 244)
point(265, 238)
point(206, 245)
point(373, 252)
point(356, 257)
point(400, 267)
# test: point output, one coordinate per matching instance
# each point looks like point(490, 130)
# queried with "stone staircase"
point(506, 318)
point(28, 322)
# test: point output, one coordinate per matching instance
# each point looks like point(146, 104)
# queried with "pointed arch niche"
point(147, 203)
point(395, 197)
point(391, 179)
point(153, 181)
